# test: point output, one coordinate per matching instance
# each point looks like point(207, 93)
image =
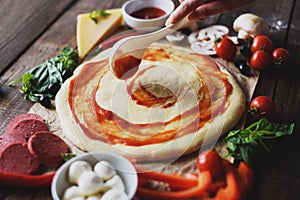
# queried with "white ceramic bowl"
point(123, 166)
point(134, 5)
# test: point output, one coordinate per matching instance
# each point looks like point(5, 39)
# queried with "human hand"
point(200, 9)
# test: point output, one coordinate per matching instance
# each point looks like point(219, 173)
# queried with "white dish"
point(155, 23)
point(123, 166)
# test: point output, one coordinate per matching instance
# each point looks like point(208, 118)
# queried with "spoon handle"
point(156, 35)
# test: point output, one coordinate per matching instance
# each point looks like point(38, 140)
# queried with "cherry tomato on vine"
point(281, 56)
point(262, 42)
point(225, 48)
point(262, 106)
point(211, 161)
point(260, 60)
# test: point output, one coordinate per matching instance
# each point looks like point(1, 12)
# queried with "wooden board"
point(278, 179)
point(60, 34)
point(183, 164)
point(27, 25)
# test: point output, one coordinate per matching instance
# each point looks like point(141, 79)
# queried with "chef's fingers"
point(216, 7)
point(184, 9)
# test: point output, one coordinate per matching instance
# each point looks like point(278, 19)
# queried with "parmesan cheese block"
point(88, 33)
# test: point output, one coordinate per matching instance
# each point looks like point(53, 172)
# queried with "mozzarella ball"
point(104, 170)
point(76, 169)
point(115, 183)
point(114, 194)
point(79, 198)
point(94, 197)
point(89, 183)
point(71, 192)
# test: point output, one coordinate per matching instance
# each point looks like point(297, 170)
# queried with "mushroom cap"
point(250, 24)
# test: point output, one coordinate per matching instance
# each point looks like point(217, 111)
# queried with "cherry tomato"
point(262, 42)
point(262, 106)
point(260, 60)
point(225, 48)
point(211, 161)
point(281, 56)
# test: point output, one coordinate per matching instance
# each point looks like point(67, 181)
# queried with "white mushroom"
point(114, 194)
point(71, 193)
point(89, 183)
point(234, 39)
point(199, 48)
point(104, 170)
point(213, 32)
point(115, 183)
point(203, 41)
point(249, 25)
point(76, 169)
point(193, 37)
point(175, 37)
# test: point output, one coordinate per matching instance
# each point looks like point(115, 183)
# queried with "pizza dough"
point(175, 104)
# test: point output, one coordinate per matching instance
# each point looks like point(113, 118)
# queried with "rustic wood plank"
point(281, 177)
point(21, 22)
point(274, 179)
point(61, 34)
point(288, 87)
point(277, 15)
point(287, 98)
point(282, 168)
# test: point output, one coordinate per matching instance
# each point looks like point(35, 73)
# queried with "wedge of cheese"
point(88, 33)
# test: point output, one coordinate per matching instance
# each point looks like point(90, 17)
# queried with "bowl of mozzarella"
point(93, 176)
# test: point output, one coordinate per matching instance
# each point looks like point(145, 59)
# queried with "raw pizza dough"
point(175, 104)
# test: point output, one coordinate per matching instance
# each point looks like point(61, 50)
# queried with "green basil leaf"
point(36, 81)
point(67, 156)
point(255, 140)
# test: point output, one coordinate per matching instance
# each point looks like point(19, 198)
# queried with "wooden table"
point(32, 31)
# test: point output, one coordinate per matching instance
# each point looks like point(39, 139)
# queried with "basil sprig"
point(251, 143)
point(36, 81)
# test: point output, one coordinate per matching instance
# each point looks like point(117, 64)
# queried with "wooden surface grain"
point(33, 31)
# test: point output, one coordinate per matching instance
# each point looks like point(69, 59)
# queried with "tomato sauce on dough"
point(104, 125)
point(126, 66)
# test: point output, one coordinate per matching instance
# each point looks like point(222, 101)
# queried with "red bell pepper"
point(174, 181)
point(232, 190)
point(204, 180)
point(246, 178)
point(28, 181)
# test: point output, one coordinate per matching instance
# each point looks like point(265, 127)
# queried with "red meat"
point(22, 117)
point(16, 158)
point(27, 128)
point(48, 147)
point(7, 139)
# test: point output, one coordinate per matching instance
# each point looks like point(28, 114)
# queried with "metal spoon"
point(134, 46)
